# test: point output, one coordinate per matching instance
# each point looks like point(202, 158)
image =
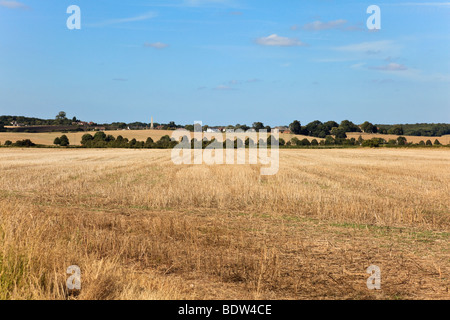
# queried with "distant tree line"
point(316, 128)
point(319, 129)
point(20, 143)
point(418, 129)
point(101, 140)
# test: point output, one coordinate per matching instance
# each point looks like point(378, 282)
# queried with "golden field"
point(445, 140)
point(47, 138)
point(140, 227)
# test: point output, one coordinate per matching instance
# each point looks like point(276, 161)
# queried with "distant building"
point(16, 124)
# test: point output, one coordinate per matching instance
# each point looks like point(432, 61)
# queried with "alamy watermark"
point(239, 147)
point(374, 281)
point(374, 21)
point(74, 281)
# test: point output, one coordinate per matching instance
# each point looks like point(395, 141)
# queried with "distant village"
point(78, 125)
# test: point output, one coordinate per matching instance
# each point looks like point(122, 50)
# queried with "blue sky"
point(226, 61)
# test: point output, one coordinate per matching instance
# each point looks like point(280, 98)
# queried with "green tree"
point(64, 141)
point(349, 126)
point(295, 127)
point(329, 140)
point(24, 143)
point(437, 143)
point(149, 143)
point(172, 125)
point(316, 129)
point(368, 127)
point(305, 142)
point(61, 116)
point(331, 124)
point(392, 142)
point(295, 141)
point(372, 143)
point(86, 138)
point(258, 126)
point(429, 143)
point(100, 136)
point(8, 142)
point(401, 141)
point(360, 140)
point(57, 141)
point(397, 130)
point(110, 138)
point(339, 133)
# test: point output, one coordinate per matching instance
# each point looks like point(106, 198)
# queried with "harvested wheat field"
point(140, 227)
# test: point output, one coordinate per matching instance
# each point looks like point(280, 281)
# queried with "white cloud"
point(13, 5)
point(275, 40)
point(156, 45)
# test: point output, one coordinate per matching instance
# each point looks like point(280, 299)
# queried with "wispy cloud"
point(231, 85)
point(142, 17)
point(370, 48)
point(223, 87)
point(431, 4)
point(382, 81)
point(14, 5)
point(390, 67)
point(358, 66)
point(156, 45)
point(278, 41)
point(319, 25)
point(209, 3)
